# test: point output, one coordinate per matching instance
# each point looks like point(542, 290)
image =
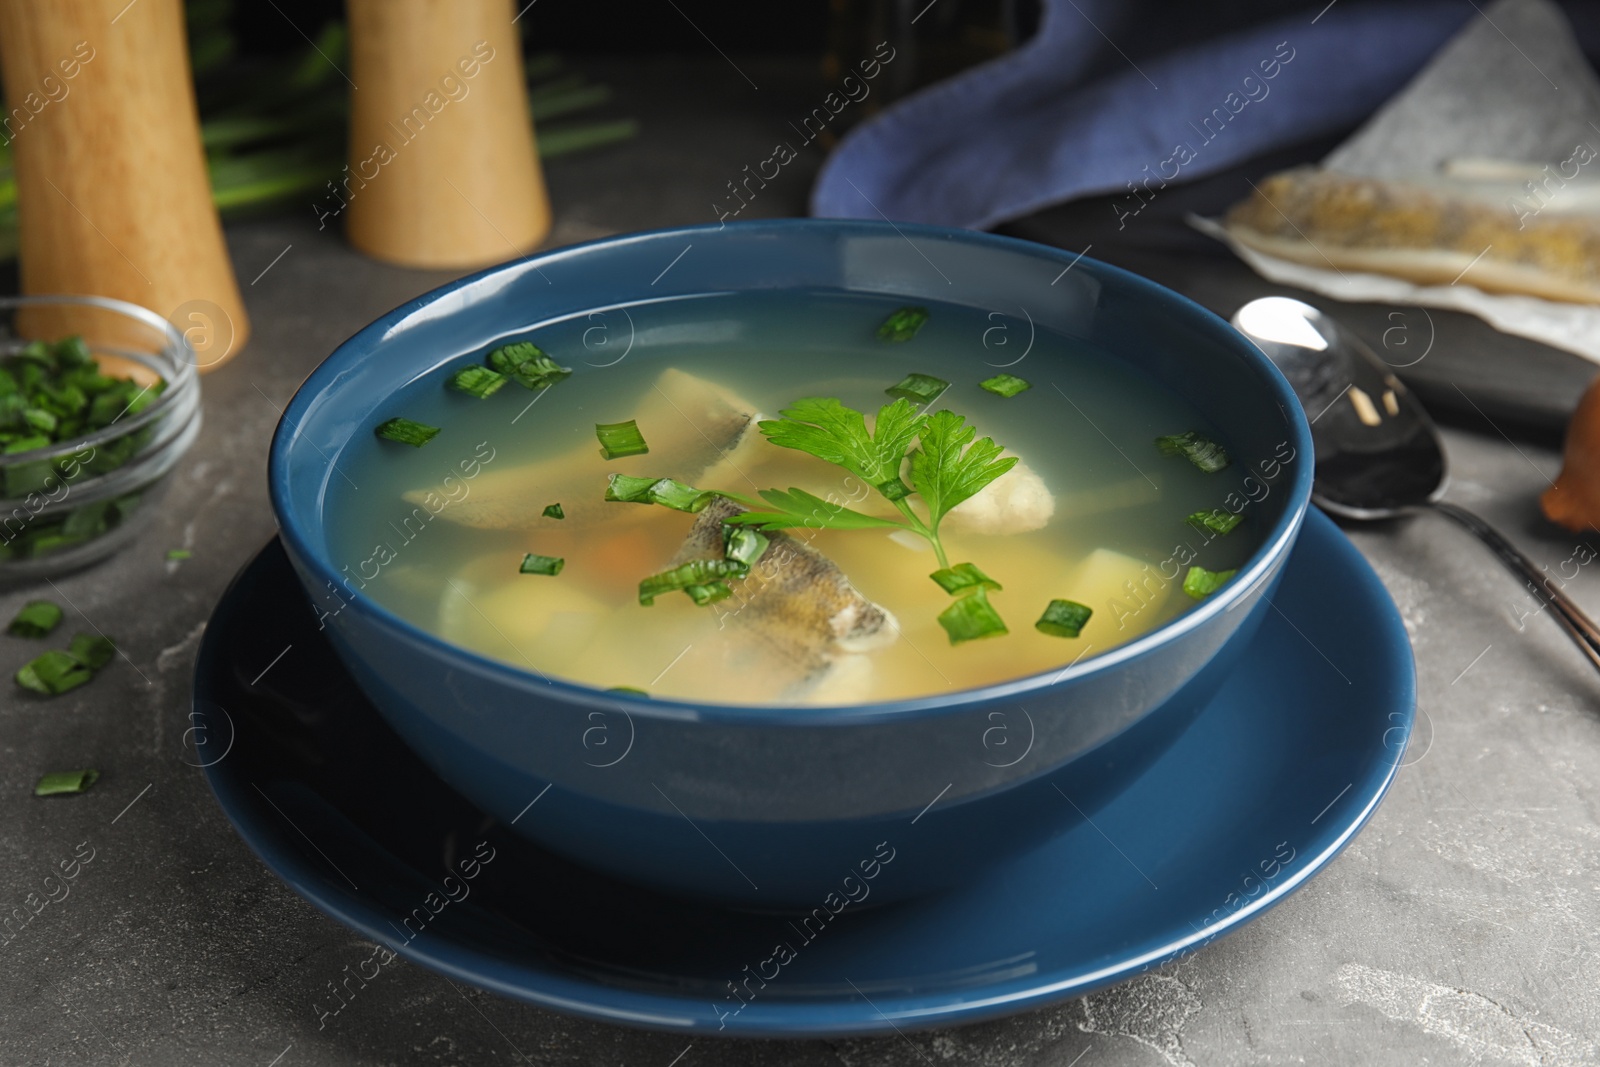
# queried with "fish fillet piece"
point(798, 606)
point(697, 431)
point(1430, 231)
point(1015, 502)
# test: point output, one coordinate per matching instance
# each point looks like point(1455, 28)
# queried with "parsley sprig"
point(949, 465)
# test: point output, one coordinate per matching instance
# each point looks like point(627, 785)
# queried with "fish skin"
point(796, 600)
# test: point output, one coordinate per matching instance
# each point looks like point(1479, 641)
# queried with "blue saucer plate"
point(1273, 778)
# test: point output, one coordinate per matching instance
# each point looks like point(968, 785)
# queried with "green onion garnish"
point(1202, 452)
point(1217, 520)
point(962, 578)
point(620, 439)
point(37, 618)
point(40, 419)
point(53, 392)
point(695, 572)
point(53, 673)
point(533, 564)
point(407, 432)
point(902, 324)
point(553, 511)
point(59, 782)
point(628, 489)
point(918, 388)
point(528, 364)
point(1063, 618)
point(1201, 583)
point(179, 554)
point(73, 352)
point(28, 443)
point(92, 650)
point(477, 381)
point(677, 496)
point(971, 617)
point(742, 544)
point(1006, 385)
point(709, 593)
point(664, 491)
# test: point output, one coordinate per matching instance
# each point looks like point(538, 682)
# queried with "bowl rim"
point(1262, 566)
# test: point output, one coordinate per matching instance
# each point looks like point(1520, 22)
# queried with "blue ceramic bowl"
point(797, 807)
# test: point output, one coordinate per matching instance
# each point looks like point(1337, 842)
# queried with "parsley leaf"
point(823, 427)
point(949, 467)
point(796, 507)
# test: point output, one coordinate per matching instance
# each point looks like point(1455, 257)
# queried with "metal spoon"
point(1378, 455)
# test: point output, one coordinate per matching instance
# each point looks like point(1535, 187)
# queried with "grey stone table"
point(1460, 927)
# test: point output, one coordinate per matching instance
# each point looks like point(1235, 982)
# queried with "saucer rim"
point(818, 1018)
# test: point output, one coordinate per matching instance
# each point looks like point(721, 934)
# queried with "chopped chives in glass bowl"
point(98, 400)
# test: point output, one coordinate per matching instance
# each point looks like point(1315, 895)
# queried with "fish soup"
point(983, 518)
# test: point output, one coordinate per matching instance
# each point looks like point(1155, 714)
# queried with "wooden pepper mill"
point(443, 171)
point(112, 191)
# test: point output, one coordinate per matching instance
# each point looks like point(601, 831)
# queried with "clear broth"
point(1114, 541)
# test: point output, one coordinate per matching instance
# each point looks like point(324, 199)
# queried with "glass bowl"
point(76, 501)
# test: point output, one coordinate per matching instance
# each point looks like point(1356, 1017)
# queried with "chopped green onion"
point(695, 572)
point(528, 364)
point(28, 443)
point(407, 432)
point(918, 388)
point(626, 489)
point(678, 497)
point(179, 553)
point(1063, 618)
point(962, 578)
point(1216, 520)
point(743, 544)
point(51, 393)
point(533, 564)
point(37, 618)
point(902, 324)
point(72, 352)
point(36, 352)
point(92, 650)
point(709, 593)
point(971, 617)
point(619, 439)
point(53, 673)
point(553, 511)
point(1201, 451)
point(1201, 583)
point(1006, 385)
point(40, 419)
point(477, 381)
point(61, 782)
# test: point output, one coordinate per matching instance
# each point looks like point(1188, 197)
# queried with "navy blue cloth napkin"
point(1024, 131)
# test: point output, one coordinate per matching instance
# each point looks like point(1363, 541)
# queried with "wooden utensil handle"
point(112, 191)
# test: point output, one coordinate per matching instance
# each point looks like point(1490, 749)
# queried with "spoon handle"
point(1572, 618)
